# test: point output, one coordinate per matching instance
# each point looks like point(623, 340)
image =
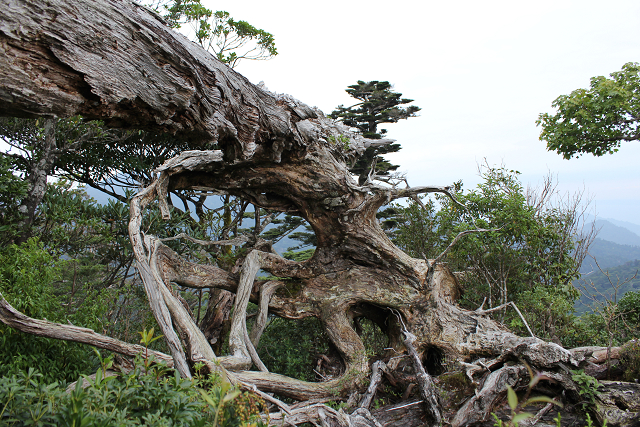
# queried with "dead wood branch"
point(43, 328)
point(500, 307)
point(376, 375)
point(478, 407)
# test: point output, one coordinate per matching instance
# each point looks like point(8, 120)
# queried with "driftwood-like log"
point(376, 376)
point(117, 61)
point(410, 413)
point(478, 407)
point(618, 403)
point(43, 328)
point(431, 400)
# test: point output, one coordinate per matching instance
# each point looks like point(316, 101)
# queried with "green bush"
point(629, 309)
point(630, 360)
point(153, 397)
point(291, 347)
point(587, 387)
point(13, 189)
point(28, 274)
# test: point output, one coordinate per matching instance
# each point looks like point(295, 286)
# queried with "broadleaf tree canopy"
point(598, 119)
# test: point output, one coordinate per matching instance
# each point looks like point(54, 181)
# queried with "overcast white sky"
point(480, 71)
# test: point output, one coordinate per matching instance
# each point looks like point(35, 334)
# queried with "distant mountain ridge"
point(608, 254)
point(601, 284)
point(616, 234)
point(635, 228)
point(614, 253)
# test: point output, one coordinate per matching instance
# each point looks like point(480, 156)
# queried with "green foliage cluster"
point(80, 271)
point(340, 140)
point(12, 192)
point(587, 387)
point(292, 347)
point(598, 119)
point(377, 104)
point(151, 396)
point(525, 256)
point(27, 275)
point(299, 256)
point(229, 39)
point(630, 360)
point(612, 320)
point(629, 308)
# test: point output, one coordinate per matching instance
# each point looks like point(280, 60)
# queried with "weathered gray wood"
point(116, 61)
point(43, 328)
point(376, 375)
point(478, 407)
point(411, 413)
point(619, 403)
point(431, 401)
point(152, 287)
point(266, 292)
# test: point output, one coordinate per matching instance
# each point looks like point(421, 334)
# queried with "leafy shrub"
point(13, 189)
point(153, 397)
point(27, 277)
point(630, 360)
point(629, 309)
point(587, 387)
point(549, 311)
point(291, 347)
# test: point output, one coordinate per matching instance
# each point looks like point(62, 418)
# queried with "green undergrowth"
point(292, 347)
point(30, 278)
point(630, 360)
point(153, 396)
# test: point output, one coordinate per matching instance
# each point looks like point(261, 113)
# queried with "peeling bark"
point(478, 407)
point(116, 61)
point(618, 403)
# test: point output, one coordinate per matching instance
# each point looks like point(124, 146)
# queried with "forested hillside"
point(607, 254)
point(611, 283)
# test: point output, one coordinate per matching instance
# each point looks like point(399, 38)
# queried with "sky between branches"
point(480, 71)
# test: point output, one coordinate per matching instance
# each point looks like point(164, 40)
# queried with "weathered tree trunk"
point(38, 169)
point(117, 61)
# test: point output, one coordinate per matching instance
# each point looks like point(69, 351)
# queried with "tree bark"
point(116, 61)
point(40, 167)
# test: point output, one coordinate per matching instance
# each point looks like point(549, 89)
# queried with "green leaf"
point(542, 399)
point(207, 398)
point(520, 417)
point(230, 396)
point(512, 398)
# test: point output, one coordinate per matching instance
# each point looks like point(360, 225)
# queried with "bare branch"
point(237, 241)
point(458, 237)
point(44, 328)
point(376, 376)
point(432, 402)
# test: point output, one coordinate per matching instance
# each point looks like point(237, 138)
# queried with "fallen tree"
point(117, 61)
